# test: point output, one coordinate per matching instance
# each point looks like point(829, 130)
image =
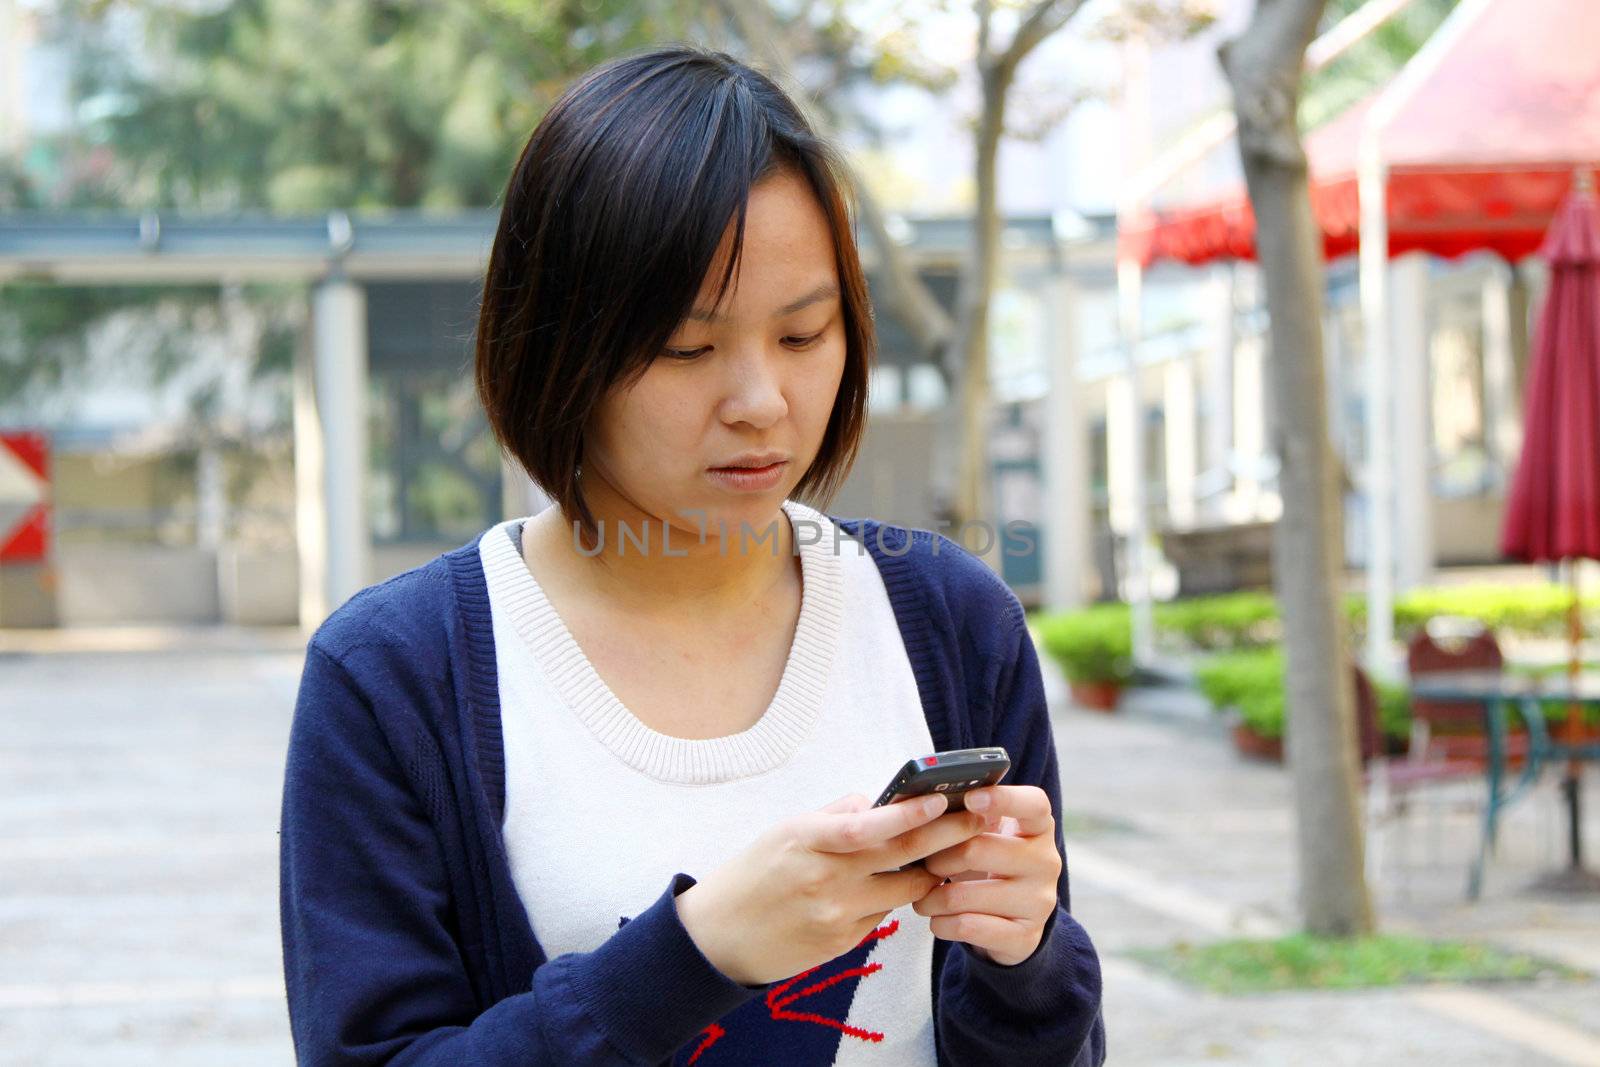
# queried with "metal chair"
point(1453, 730)
point(1390, 784)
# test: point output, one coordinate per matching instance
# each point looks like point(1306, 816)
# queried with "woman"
point(504, 763)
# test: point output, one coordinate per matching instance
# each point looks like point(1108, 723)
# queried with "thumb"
point(845, 805)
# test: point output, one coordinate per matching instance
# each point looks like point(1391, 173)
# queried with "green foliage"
point(1251, 619)
point(1252, 683)
point(1371, 62)
point(1230, 620)
point(1304, 961)
point(1227, 679)
point(1092, 645)
point(305, 105)
point(1534, 610)
point(1394, 708)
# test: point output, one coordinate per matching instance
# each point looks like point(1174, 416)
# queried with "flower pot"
point(1256, 745)
point(1097, 696)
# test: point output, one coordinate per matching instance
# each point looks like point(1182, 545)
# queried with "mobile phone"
point(951, 773)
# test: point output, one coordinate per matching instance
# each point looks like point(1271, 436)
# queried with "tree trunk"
point(972, 319)
point(1264, 65)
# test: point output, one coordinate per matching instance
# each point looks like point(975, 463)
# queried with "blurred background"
point(240, 248)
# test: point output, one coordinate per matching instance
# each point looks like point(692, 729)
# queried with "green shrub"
point(1535, 610)
point(1251, 682)
point(1252, 619)
point(1394, 708)
point(1228, 678)
point(1092, 645)
point(1231, 620)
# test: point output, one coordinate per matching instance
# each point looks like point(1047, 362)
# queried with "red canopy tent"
point(1480, 141)
point(1471, 147)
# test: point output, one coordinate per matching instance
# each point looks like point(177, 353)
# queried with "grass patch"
point(1302, 961)
point(1087, 824)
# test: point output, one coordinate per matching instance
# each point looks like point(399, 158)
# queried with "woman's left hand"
point(1005, 887)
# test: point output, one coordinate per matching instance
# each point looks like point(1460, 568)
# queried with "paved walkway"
point(138, 824)
point(138, 893)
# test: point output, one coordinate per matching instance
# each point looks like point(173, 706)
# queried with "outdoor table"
point(1523, 695)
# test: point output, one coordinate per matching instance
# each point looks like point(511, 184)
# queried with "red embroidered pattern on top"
point(779, 998)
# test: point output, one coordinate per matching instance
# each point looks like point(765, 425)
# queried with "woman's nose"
point(754, 391)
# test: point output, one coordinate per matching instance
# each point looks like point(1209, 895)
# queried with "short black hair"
point(612, 217)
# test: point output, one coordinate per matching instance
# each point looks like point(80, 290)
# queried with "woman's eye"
point(686, 354)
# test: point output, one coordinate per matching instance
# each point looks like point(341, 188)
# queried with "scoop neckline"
point(768, 742)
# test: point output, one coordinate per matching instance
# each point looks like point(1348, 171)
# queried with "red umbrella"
point(1553, 511)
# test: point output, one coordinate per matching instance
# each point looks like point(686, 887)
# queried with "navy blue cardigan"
point(404, 939)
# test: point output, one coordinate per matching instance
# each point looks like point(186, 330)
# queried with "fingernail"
point(933, 805)
point(977, 801)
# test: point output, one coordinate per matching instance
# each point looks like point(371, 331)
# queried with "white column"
point(1333, 372)
point(1120, 472)
point(1249, 428)
point(1182, 439)
point(1412, 459)
point(1066, 456)
point(1137, 137)
point(330, 424)
point(1501, 417)
point(211, 498)
point(1218, 444)
point(1374, 252)
point(1130, 278)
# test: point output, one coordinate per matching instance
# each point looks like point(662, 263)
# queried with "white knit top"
point(602, 810)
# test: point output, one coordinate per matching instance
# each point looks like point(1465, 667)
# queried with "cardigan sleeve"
point(372, 968)
point(1045, 1009)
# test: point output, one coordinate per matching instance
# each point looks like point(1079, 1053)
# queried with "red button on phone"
point(931, 761)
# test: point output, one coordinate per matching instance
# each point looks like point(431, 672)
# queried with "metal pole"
point(1374, 265)
point(1129, 288)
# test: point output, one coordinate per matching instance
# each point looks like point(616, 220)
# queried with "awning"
point(1480, 149)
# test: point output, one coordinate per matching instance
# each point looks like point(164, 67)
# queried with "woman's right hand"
point(811, 887)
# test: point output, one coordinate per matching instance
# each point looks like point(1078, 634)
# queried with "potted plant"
point(1249, 688)
point(1258, 725)
point(1094, 647)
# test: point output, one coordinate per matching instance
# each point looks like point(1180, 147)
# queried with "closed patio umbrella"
point(1553, 510)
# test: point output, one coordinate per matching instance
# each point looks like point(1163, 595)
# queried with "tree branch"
point(903, 290)
point(1045, 18)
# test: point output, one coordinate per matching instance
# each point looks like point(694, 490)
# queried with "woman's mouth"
point(748, 479)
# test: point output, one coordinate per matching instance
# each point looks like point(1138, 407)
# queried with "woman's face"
point(762, 376)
